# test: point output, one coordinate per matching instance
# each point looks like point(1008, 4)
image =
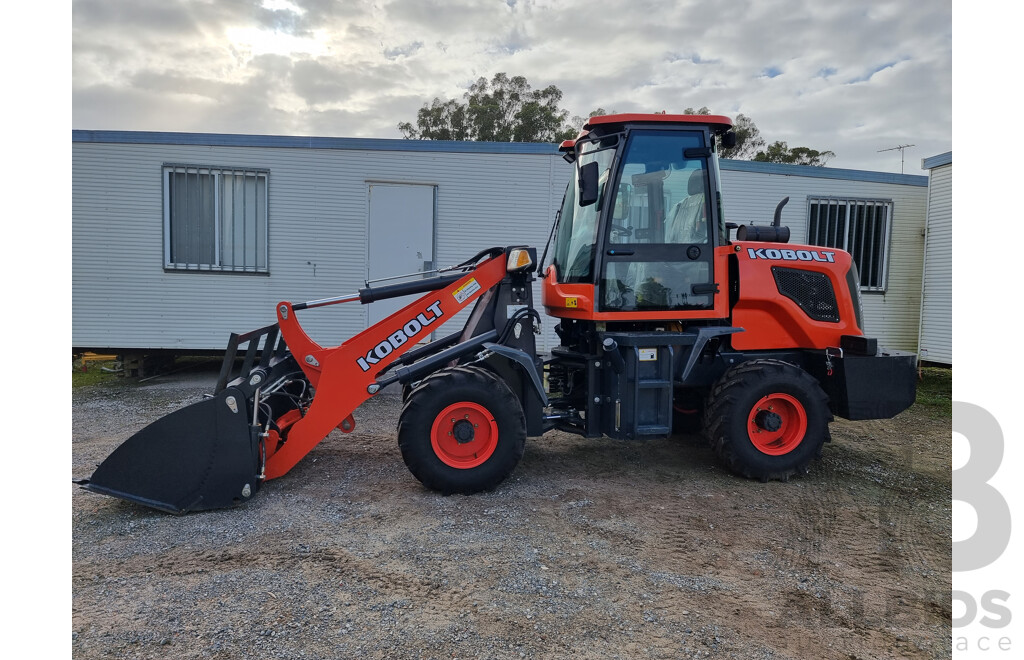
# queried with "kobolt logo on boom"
point(792, 255)
point(410, 329)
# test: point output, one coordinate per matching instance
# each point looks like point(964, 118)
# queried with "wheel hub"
point(777, 424)
point(462, 431)
point(464, 435)
point(768, 420)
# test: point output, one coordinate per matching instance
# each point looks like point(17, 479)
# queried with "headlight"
point(521, 259)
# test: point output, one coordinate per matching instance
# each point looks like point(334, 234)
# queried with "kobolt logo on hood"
point(791, 255)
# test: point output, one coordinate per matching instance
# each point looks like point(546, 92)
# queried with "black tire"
point(767, 419)
point(462, 430)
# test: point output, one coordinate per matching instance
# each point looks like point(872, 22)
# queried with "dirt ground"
point(592, 549)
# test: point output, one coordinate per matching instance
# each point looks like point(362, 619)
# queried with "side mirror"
point(588, 184)
point(729, 140)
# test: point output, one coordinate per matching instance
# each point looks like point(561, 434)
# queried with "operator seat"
point(688, 221)
point(668, 284)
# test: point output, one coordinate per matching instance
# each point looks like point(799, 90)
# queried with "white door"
point(401, 236)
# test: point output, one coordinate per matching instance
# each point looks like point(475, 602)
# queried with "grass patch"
point(95, 374)
point(109, 372)
point(935, 391)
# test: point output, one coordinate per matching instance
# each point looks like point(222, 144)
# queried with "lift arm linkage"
point(345, 376)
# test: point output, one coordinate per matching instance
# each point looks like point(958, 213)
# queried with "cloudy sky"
point(853, 77)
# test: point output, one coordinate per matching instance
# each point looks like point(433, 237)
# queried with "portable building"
point(179, 239)
point(936, 330)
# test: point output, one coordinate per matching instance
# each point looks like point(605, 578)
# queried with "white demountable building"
point(936, 330)
point(179, 239)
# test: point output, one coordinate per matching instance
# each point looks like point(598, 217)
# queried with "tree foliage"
point(748, 137)
point(780, 152)
point(503, 109)
point(751, 146)
point(441, 120)
point(577, 122)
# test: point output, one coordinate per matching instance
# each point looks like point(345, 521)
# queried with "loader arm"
point(345, 376)
point(217, 452)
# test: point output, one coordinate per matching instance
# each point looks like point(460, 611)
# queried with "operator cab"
point(640, 222)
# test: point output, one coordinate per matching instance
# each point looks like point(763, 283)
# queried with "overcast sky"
point(853, 77)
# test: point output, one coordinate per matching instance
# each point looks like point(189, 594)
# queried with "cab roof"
point(717, 123)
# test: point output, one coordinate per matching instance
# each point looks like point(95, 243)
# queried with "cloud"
point(130, 18)
point(366, 65)
point(872, 71)
point(282, 20)
point(402, 51)
point(326, 81)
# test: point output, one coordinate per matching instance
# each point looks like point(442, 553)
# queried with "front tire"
point(462, 430)
point(767, 419)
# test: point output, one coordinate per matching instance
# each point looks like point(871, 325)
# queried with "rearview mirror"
point(729, 139)
point(588, 184)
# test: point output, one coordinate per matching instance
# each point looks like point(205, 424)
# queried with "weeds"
point(95, 373)
point(935, 392)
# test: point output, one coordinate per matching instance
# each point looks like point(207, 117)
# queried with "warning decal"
point(466, 290)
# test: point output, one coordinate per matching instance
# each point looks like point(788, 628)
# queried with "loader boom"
point(345, 376)
point(258, 425)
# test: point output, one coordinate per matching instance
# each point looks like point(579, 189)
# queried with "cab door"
point(658, 249)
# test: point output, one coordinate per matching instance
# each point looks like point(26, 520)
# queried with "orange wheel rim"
point(464, 435)
point(777, 424)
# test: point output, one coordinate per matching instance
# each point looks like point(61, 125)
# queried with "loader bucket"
point(204, 456)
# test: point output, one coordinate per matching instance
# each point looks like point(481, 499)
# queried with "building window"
point(858, 226)
point(215, 219)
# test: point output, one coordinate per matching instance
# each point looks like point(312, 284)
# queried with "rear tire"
point(767, 419)
point(462, 430)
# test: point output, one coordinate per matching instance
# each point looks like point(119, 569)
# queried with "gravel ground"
point(592, 549)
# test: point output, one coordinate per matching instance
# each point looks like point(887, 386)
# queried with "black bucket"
point(204, 456)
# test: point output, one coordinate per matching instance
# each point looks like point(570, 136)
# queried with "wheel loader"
point(666, 319)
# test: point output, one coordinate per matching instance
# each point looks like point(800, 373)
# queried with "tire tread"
point(421, 406)
point(724, 437)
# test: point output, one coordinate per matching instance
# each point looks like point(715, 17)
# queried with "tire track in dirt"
point(700, 570)
point(178, 563)
point(597, 548)
point(815, 543)
point(665, 589)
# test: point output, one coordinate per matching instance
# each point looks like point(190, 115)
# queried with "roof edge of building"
point(937, 161)
point(451, 146)
point(304, 142)
point(824, 172)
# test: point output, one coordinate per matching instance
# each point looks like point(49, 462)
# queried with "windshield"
point(577, 232)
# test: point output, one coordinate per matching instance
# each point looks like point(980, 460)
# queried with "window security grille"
point(215, 219)
point(859, 226)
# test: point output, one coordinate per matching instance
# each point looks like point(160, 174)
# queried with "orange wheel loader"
point(664, 320)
